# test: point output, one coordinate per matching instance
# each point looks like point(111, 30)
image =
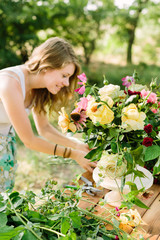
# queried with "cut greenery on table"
point(53, 214)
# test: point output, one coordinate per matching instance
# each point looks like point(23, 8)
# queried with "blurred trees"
point(127, 20)
point(25, 23)
point(85, 23)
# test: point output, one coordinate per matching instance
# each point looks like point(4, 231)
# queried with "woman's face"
point(55, 79)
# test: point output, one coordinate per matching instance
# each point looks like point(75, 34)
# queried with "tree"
point(127, 21)
point(19, 23)
point(83, 22)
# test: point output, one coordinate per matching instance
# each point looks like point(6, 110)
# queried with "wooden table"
point(151, 216)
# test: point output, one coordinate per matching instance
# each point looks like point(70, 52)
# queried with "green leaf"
point(139, 203)
point(129, 159)
point(94, 154)
point(65, 225)
point(132, 185)
point(114, 147)
point(3, 219)
point(29, 236)
point(113, 132)
point(2, 207)
point(19, 236)
point(137, 152)
point(139, 173)
point(76, 219)
point(152, 152)
point(6, 233)
point(121, 137)
point(156, 168)
point(88, 90)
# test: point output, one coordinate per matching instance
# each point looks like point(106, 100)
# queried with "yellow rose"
point(98, 112)
point(64, 122)
point(131, 218)
point(108, 100)
point(132, 119)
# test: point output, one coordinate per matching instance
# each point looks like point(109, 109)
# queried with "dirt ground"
point(34, 169)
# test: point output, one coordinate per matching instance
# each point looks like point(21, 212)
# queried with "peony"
point(111, 165)
point(112, 91)
point(98, 112)
point(64, 122)
point(132, 119)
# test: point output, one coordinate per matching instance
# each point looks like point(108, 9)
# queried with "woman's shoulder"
point(8, 83)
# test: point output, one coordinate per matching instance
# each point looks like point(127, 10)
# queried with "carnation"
point(147, 141)
point(148, 128)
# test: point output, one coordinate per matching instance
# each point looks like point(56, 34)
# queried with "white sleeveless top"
point(5, 123)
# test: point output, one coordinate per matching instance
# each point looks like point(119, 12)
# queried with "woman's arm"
point(46, 130)
point(12, 98)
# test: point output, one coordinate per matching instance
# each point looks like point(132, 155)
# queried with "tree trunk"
point(130, 46)
point(133, 30)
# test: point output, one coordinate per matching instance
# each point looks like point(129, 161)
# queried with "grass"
point(35, 168)
point(114, 73)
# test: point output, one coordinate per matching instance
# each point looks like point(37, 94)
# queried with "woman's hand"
point(79, 157)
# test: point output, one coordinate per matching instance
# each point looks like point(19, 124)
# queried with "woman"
point(43, 84)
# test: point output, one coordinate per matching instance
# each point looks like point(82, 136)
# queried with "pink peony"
point(83, 79)
point(152, 97)
point(127, 81)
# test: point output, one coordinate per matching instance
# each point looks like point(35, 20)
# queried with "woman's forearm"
point(55, 136)
point(41, 145)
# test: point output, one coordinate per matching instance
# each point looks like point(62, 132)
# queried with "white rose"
point(110, 90)
point(111, 165)
point(137, 87)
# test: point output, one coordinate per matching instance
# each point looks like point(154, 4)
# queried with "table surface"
point(151, 217)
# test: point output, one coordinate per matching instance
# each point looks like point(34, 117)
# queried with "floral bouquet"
point(121, 127)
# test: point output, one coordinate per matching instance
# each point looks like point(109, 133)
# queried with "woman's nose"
point(66, 82)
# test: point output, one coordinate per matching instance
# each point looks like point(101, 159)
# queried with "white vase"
point(114, 197)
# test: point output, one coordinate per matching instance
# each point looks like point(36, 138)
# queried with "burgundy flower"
point(147, 141)
point(132, 92)
point(148, 128)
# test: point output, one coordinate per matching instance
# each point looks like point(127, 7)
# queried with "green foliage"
point(114, 73)
point(23, 218)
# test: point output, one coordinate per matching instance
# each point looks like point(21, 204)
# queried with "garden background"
point(111, 38)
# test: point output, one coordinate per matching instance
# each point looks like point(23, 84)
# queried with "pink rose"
point(152, 97)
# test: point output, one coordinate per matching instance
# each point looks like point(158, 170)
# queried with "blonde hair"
point(53, 53)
